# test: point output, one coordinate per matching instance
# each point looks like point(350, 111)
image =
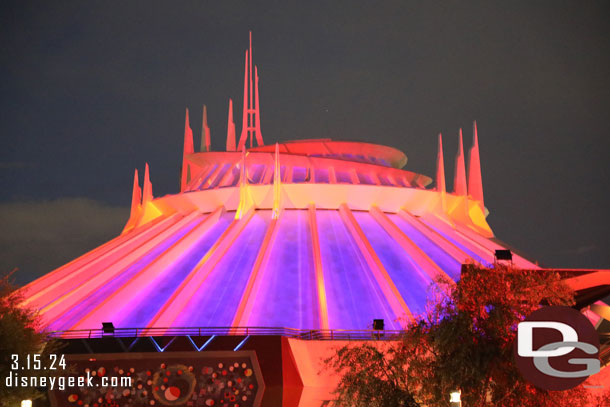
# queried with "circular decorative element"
point(171, 388)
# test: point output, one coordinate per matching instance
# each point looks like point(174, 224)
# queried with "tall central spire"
point(251, 126)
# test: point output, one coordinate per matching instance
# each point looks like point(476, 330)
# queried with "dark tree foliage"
point(20, 334)
point(464, 341)
point(371, 377)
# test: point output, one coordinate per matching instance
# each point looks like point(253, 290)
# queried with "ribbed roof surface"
point(309, 268)
point(313, 234)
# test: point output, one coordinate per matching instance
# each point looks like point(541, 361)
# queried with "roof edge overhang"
point(321, 147)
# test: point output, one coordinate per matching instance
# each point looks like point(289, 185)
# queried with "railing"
point(306, 334)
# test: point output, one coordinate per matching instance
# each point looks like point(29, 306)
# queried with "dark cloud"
point(37, 237)
point(582, 249)
point(16, 165)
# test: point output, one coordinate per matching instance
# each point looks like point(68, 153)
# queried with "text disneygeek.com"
point(54, 363)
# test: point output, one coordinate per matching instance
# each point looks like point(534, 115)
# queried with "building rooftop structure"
point(303, 239)
point(303, 234)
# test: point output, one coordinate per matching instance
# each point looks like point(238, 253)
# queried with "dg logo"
point(557, 348)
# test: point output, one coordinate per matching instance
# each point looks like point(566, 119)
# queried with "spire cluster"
point(139, 197)
point(467, 181)
point(472, 185)
point(251, 126)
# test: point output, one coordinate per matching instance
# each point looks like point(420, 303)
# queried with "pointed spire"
point(205, 131)
point(440, 167)
point(257, 117)
point(188, 149)
point(147, 194)
point(475, 182)
point(459, 180)
point(244, 122)
point(250, 94)
point(188, 135)
point(136, 195)
point(251, 116)
point(277, 175)
point(230, 129)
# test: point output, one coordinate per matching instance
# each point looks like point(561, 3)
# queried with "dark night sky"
point(91, 90)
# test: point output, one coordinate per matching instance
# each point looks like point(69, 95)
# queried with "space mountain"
point(307, 234)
